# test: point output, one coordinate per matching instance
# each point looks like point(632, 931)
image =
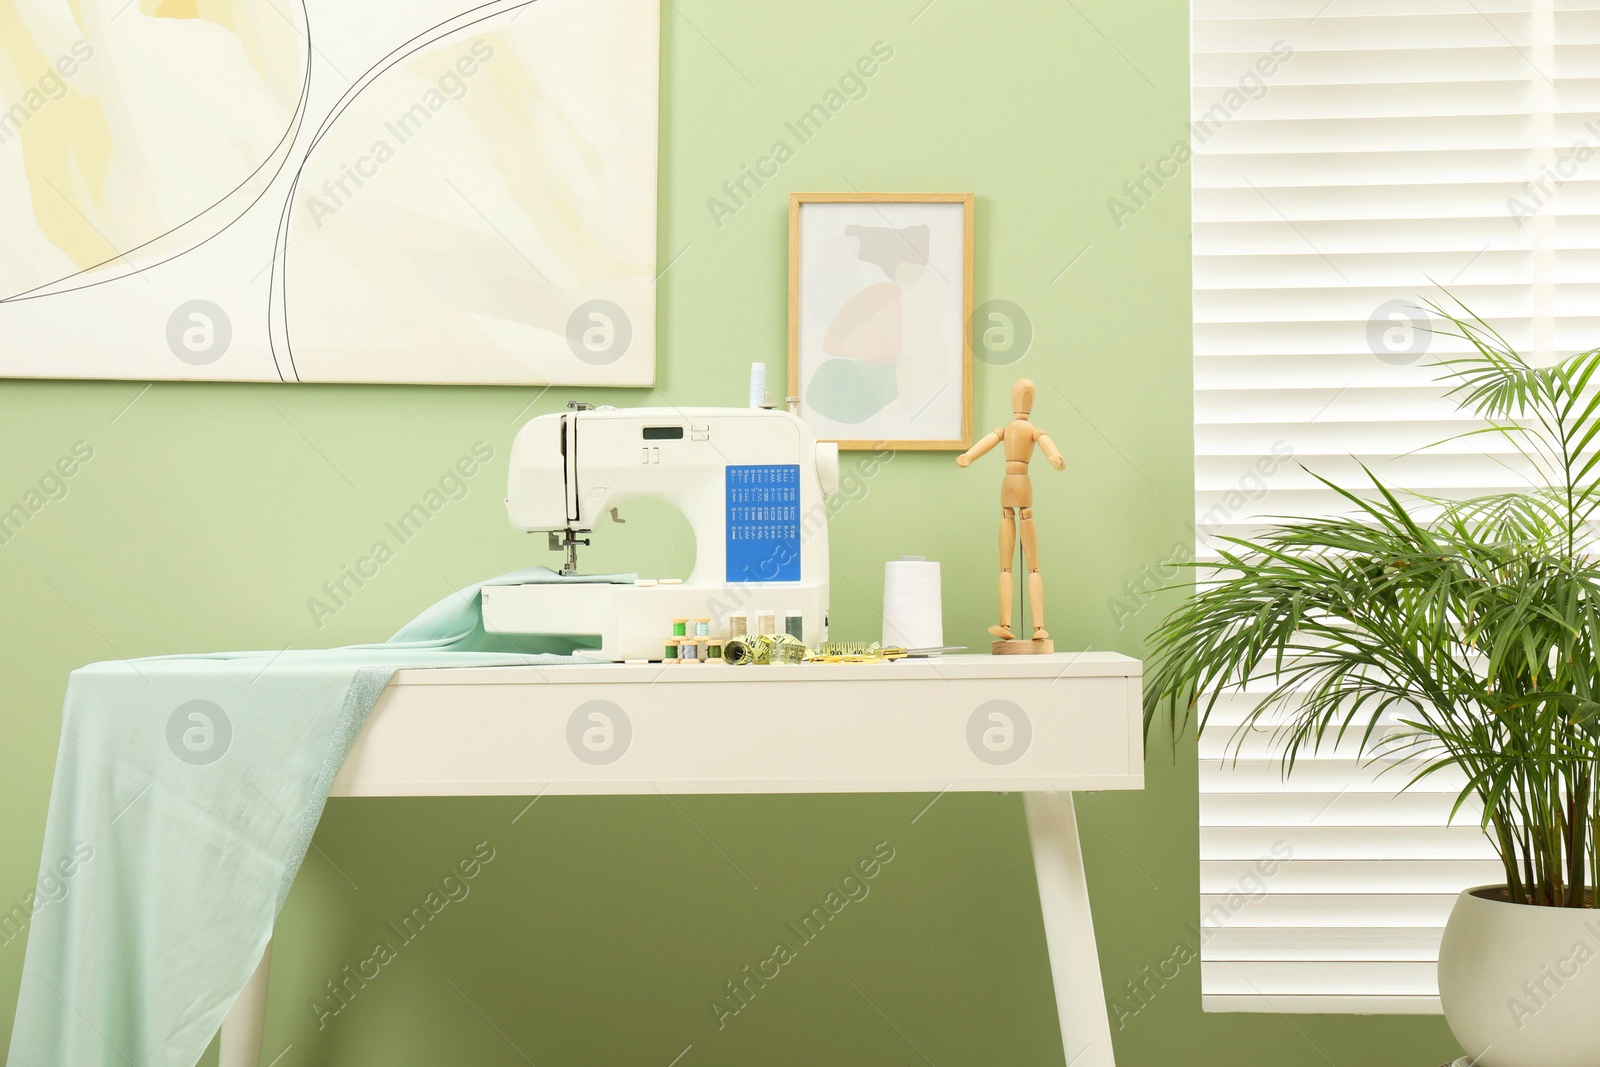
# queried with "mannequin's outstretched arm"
point(989, 440)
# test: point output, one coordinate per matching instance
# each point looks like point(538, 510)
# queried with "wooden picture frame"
point(878, 318)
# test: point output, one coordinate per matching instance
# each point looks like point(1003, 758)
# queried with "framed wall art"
point(408, 191)
point(880, 294)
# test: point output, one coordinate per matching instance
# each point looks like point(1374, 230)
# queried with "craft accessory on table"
point(763, 649)
point(863, 652)
point(689, 652)
point(702, 627)
point(752, 484)
point(863, 649)
point(738, 624)
point(669, 654)
point(766, 622)
point(913, 616)
point(680, 627)
point(855, 652)
point(794, 624)
point(758, 385)
point(786, 649)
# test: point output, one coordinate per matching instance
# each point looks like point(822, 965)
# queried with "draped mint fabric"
point(186, 792)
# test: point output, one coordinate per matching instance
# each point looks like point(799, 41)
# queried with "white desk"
point(1040, 725)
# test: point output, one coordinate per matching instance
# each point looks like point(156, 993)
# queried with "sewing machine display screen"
point(763, 503)
point(663, 433)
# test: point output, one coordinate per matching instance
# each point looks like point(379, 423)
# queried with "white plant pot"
point(1520, 984)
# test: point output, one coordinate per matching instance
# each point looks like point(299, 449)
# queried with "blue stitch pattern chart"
point(763, 503)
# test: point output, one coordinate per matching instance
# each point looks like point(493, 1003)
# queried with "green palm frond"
point(1434, 635)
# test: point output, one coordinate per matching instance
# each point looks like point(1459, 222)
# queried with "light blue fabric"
point(176, 827)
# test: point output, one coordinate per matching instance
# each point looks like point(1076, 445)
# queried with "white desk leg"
point(1069, 929)
point(241, 1030)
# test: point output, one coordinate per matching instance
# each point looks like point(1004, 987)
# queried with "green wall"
point(603, 928)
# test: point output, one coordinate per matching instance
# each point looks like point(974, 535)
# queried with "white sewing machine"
point(752, 482)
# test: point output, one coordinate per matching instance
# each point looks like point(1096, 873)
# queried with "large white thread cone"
point(913, 615)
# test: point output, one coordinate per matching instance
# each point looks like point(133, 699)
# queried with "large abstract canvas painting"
point(417, 191)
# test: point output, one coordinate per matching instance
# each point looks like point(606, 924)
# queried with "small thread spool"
point(680, 627)
point(766, 623)
point(794, 624)
point(669, 654)
point(702, 627)
point(738, 624)
point(689, 652)
point(714, 650)
point(758, 385)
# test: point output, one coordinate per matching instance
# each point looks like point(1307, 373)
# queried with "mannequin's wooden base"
point(1042, 647)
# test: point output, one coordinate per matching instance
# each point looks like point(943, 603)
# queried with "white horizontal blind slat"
point(1345, 157)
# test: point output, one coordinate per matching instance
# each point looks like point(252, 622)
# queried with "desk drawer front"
point(751, 736)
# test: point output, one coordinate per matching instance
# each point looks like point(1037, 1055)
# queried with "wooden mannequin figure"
point(1016, 506)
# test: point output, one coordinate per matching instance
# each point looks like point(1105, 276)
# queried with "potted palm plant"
point(1447, 635)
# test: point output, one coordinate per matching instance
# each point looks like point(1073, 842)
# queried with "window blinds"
point(1348, 157)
